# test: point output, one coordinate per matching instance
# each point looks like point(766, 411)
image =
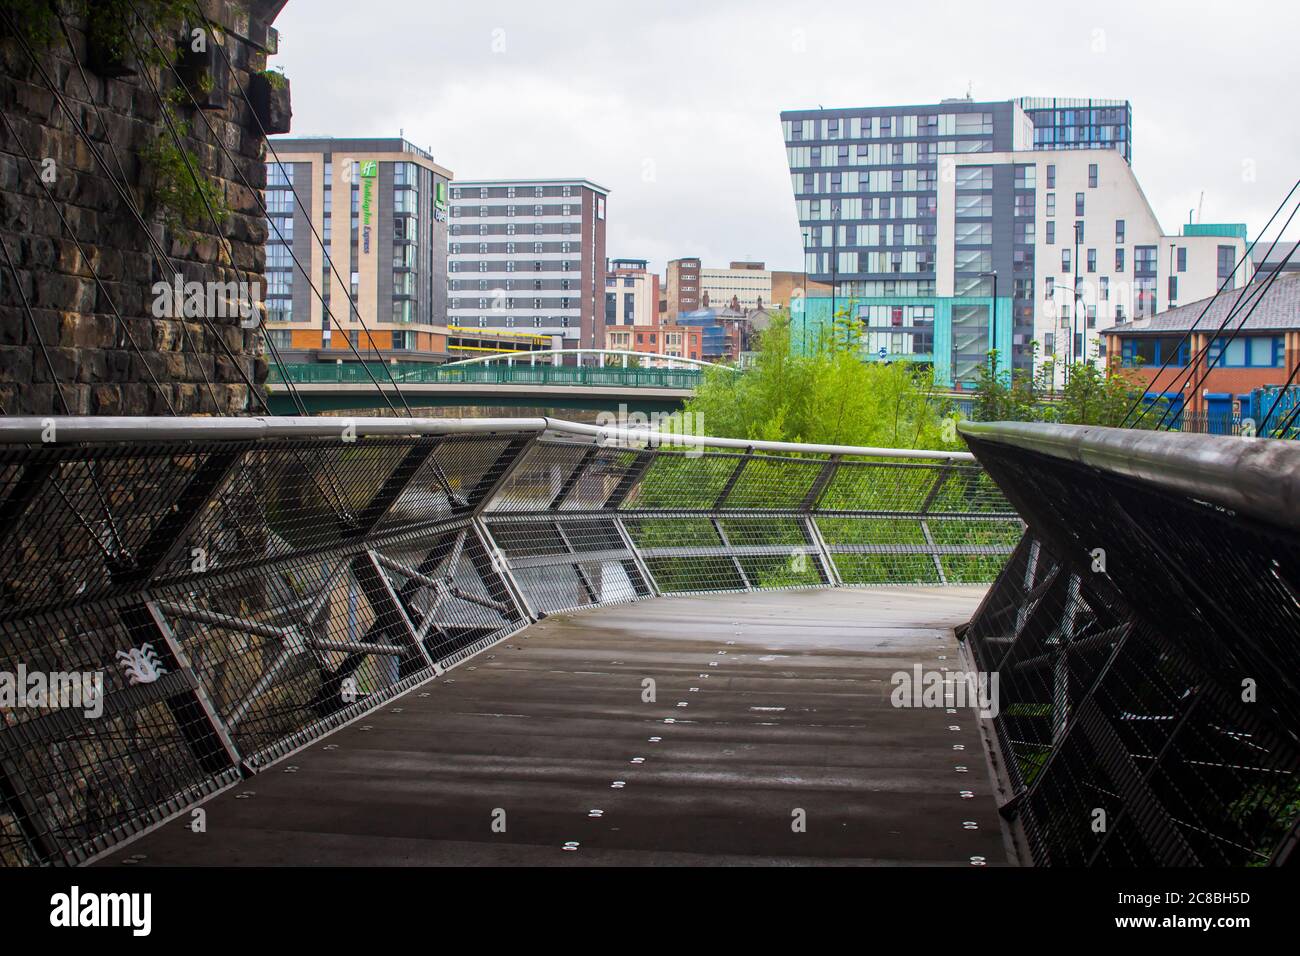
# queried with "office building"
point(631, 294)
point(529, 255)
point(380, 263)
point(742, 285)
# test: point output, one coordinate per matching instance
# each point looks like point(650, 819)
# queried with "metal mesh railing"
point(241, 587)
point(1144, 639)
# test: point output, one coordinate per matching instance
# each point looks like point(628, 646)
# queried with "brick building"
point(1211, 370)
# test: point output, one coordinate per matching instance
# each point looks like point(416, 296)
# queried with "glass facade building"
point(1072, 123)
point(866, 183)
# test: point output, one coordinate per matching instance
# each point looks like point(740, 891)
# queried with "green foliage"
point(1090, 396)
point(274, 77)
point(830, 396)
point(36, 21)
point(182, 191)
point(113, 23)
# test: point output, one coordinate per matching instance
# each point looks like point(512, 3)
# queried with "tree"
point(829, 396)
point(1091, 396)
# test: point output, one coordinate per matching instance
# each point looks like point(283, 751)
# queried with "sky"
point(675, 106)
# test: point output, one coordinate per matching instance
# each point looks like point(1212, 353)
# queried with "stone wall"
point(68, 298)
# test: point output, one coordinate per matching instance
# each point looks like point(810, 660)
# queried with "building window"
point(1227, 263)
point(1051, 175)
point(1119, 260)
point(1065, 259)
point(1051, 205)
point(1092, 260)
point(1092, 175)
point(1144, 260)
point(1248, 351)
point(1051, 232)
point(1078, 204)
point(1173, 289)
point(1182, 259)
point(1119, 232)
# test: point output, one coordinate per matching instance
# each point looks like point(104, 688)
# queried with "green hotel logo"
point(440, 195)
point(369, 170)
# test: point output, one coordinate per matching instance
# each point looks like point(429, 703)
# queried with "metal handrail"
point(1257, 476)
point(26, 430)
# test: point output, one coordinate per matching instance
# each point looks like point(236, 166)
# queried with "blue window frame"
point(1171, 352)
point(1254, 351)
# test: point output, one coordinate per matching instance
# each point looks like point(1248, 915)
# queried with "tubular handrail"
point(531, 355)
point(1256, 476)
point(65, 430)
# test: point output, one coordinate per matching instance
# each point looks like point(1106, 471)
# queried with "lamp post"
point(1074, 312)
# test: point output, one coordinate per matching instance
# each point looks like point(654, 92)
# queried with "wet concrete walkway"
point(769, 709)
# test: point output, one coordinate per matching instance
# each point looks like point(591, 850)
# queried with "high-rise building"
point(379, 264)
point(529, 254)
point(1072, 123)
point(922, 215)
point(1086, 252)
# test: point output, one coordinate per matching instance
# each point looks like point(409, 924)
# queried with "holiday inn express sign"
point(369, 170)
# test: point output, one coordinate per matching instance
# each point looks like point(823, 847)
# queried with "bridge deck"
point(779, 700)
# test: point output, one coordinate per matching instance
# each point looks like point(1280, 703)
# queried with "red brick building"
point(1209, 369)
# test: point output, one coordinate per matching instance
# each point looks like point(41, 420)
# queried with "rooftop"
point(1273, 310)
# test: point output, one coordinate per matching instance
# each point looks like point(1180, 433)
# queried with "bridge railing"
point(231, 589)
point(1146, 641)
point(521, 373)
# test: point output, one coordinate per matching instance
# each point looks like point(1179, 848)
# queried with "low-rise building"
point(680, 341)
point(1205, 355)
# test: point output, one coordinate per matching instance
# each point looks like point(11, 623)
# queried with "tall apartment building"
point(1072, 123)
point(529, 255)
point(1087, 251)
point(871, 184)
point(386, 245)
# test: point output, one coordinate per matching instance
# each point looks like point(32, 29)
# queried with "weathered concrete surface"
point(778, 702)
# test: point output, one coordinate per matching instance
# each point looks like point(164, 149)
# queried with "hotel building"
point(379, 208)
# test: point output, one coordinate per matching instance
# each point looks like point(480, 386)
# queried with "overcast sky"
point(674, 106)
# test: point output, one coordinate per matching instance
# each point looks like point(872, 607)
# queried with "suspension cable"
point(1222, 286)
point(1258, 291)
point(353, 310)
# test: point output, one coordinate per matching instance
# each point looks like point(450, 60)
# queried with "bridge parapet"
point(1145, 639)
point(243, 586)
